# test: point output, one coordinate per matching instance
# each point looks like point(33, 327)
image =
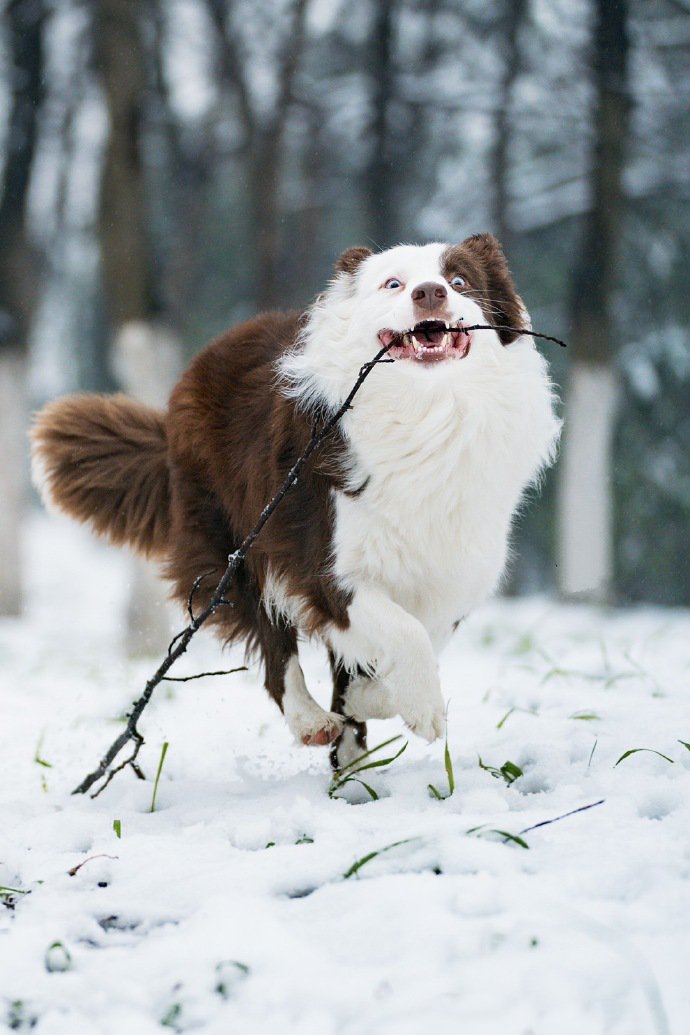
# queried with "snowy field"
point(230, 908)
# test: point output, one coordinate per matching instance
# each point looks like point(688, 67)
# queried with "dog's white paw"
point(418, 695)
point(422, 710)
point(309, 722)
point(426, 719)
point(318, 730)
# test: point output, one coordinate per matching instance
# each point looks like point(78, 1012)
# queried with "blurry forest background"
point(170, 166)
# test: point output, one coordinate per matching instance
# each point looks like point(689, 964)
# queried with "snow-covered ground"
point(229, 908)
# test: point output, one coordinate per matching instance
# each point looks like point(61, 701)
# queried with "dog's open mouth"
point(428, 342)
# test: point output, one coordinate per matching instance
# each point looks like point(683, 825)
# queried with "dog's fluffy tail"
point(103, 460)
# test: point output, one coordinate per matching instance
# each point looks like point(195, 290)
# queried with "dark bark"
point(509, 29)
point(125, 246)
point(24, 29)
point(189, 166)
point(264, 144)
point(595, 277)
point(379, 181)
point(585, 505)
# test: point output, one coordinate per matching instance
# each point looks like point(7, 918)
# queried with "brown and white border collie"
point(398, 527)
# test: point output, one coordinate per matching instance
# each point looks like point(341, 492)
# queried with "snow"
point(191, 922)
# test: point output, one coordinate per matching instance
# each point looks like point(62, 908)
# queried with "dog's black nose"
point(429, 295)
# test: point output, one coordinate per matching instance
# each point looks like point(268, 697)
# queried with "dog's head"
point(421, 300)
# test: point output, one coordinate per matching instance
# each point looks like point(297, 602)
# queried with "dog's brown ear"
point(351, 259)
point(503, 304)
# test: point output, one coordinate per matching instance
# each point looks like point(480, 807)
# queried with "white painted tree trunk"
point(13, 453)
point(585, 499)
point(146, 360)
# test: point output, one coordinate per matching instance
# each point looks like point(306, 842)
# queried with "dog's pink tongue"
point(429, 338)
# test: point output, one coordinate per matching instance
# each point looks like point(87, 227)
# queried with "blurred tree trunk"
point(264, 140)
point(509, 32)
point(144, 352)
point(24, 21)
point(125, 248)
point(585, 492)
point(380, 175)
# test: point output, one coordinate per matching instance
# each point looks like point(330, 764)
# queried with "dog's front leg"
point(307, 720)
point(395, 647)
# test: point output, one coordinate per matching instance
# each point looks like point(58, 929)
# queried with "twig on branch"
point(114, 750)
point(201, 675)
point(518, 330)
point(179, 644)
point(556, 819)
point(102, 855)
point(193, 591)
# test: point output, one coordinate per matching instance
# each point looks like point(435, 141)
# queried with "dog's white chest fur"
point(447, 454)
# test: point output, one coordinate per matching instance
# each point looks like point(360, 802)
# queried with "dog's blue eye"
point(458, 281)
point(393, 283)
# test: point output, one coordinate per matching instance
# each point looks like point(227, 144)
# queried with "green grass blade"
point(164, 751)
point(501, 722)
point(37, 756)
point(357, 866)
point(635, 751)
point(484, 830)
point(378, 763)
point(354, 779)
point(591, 754)
point(449, 768)
point(371, 751)
point(436, 794)
point(229, 974)
point(515, 838)
point(370, 790)
point(58, 958)
point(685, 744)
point(510, 772)
point(117, 827)
point(352, 769)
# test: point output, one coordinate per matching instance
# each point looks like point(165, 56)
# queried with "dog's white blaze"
point(304, 716)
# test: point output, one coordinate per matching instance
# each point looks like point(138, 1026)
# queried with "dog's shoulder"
point(229, 392)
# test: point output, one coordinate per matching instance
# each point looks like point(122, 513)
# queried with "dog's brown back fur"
point(233, 438)
point(104, 459)
point(187, 487)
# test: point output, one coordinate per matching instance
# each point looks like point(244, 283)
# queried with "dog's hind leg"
point(352, 742)
point(309, 723)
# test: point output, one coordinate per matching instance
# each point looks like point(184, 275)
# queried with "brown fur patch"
point(351, 260)
point(105, 463)
point(480, 260)
point(188, 487)
point(233, 439)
